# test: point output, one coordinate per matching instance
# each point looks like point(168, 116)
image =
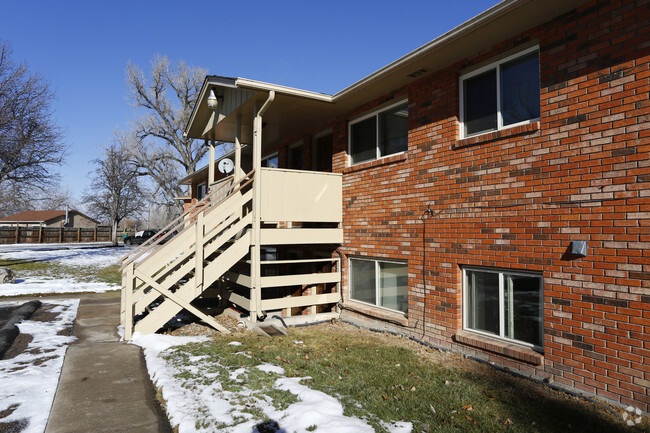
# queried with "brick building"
point(495, 188)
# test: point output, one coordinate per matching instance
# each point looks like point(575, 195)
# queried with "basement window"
point(380, 283)
point(505, 304)
point(501, 95)
point(379, 134)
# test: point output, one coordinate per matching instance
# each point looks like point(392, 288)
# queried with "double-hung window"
point(380, 283)
point(502, 94)
point(379, 134)
point(505, 304)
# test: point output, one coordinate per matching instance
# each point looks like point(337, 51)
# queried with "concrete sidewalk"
point(104, 384)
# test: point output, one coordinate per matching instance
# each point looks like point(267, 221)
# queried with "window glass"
point(489, 294)
point(483, 301)
point(363, 282)
point(270, 161)
point(507, 93)
point(295, 157)
point(381, 134)
point(520, 90)
point(393, 286)
point(522, 308)
point(480, 103)
point(200, 191)
point(322, 153)
point(393, 126)
point(364, 140)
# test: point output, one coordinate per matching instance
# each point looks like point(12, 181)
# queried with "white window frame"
point(502, 318)
point(497, 66)
point(377, 279)
point(374, 113)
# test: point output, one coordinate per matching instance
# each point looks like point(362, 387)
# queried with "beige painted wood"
point(198, 255)
point(185, 303)
point(279, 262)
point(301, 236)
point(229, 234)
point(181, 271)
point(294, 195)
point(227, 259)
point(128, 303)
point(300, 301)
point(301, 279)
point(163, 312)
point(242, 301)
point(146, 295)
point(242, 280)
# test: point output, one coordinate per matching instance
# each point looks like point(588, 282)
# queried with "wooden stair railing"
point(212, 236)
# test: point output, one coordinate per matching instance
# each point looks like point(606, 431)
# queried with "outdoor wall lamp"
point(213, 100)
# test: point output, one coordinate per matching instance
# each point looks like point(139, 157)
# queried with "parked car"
point(164, 233)
point(139, 237)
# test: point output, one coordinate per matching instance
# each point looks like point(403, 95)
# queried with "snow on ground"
point(72, 255)
point(87, 254)
point(207, 406)
point(30, 379)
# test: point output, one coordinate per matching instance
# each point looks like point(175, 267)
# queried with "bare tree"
point(115, 191)
point(157, 147)
point(17, 198)
point(30, 142)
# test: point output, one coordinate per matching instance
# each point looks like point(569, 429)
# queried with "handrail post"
point(198, 253)
point(128, 302)
point(256, 278)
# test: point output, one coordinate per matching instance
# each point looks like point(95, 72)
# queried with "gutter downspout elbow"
point(267, 103)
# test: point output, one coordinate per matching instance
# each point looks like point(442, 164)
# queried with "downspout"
point(211, 174)
point(256, 292)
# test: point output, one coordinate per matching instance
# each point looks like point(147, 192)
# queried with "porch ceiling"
point(294, 110)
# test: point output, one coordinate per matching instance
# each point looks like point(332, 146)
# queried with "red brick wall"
point(516, 199)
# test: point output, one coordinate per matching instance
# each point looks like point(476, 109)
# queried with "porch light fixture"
point(213, 101)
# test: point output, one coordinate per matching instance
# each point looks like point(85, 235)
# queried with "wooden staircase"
point(271, 253)
point(164, 275)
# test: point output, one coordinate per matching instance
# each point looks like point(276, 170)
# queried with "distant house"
point(49, 218)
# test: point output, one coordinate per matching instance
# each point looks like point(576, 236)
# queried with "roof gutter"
point(290, 91)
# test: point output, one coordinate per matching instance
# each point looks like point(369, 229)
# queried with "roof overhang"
point(295, 110)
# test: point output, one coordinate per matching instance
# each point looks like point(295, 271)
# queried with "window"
point(200, 191)
point(295, 156)
point(379, 134)
point(505, 304)
point(321, 152)
point(270, 161)
point(384, 284)
point(503, 94)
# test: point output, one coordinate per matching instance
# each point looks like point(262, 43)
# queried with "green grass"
point(380, 377)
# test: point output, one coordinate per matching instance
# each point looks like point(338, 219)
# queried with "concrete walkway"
point(104, 384)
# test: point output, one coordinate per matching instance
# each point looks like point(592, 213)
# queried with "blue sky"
point(82, 48)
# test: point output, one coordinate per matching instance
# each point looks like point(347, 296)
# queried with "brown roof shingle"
point(33, 216)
